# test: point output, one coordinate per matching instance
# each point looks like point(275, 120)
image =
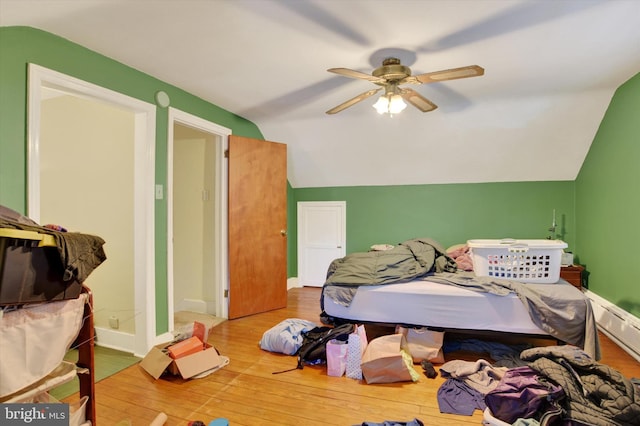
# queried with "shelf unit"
point(84, 368)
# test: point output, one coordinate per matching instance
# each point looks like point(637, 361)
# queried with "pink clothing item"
point(461, 255)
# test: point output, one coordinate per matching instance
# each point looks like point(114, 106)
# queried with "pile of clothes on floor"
point(549, 385)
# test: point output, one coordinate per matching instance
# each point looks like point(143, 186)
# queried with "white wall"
point(194, 212)
point(188, 215)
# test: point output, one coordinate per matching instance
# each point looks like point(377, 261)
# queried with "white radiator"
point(619, 325)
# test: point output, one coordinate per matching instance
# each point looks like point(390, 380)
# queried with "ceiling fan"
point(391, 75)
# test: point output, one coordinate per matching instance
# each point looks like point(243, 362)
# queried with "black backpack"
point(313, 350)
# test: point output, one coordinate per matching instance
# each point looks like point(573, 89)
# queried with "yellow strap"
point(44, 240)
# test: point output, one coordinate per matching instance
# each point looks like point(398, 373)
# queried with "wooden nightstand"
point(572, 274)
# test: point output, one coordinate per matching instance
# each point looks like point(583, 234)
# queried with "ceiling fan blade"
point(417, 100)
point(353, 101)
point(452, 74)
point(356, 74)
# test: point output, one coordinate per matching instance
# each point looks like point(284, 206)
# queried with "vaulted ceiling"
point(551, 68)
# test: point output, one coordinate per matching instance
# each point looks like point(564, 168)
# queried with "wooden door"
point(257, 226)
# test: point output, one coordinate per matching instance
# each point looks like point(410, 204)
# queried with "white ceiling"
point(551, 68)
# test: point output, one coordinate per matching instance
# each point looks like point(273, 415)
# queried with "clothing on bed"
point(560, 310)
point(407, 261)
point(461, 255)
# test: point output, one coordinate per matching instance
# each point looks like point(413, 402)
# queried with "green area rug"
point(107, 362)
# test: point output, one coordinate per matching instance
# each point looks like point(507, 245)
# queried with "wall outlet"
point(114, 322)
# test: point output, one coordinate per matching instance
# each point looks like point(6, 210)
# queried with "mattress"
point(426, 303)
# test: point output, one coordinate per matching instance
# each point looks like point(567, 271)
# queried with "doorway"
point(91, 169)
point(197, 219)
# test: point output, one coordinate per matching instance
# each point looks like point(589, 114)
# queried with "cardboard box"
point(158, 361)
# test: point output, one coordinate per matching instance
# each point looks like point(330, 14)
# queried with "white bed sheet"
point(436, 305)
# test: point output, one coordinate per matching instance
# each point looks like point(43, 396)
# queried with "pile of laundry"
point(551, 385)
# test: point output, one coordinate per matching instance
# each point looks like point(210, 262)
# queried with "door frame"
point(177, 116)
point(144, 177)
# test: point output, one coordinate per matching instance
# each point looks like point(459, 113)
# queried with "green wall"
point(292, 234)
point(20, 46)
point(608, 202)
point(450, 214)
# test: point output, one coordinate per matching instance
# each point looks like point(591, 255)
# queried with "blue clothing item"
point(285, 337)
point(456, 397)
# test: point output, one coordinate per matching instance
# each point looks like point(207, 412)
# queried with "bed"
point(425, 303)
point(362, 288)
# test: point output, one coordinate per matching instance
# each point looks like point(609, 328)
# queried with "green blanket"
point(409, 260)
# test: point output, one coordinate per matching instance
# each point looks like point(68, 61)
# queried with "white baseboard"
point(115, 339)
point(125, 342)
point(192, 305)
point(164, 338)
point(619, 325)
point(293, 283)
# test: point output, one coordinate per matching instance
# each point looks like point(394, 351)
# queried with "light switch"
point(159, 192)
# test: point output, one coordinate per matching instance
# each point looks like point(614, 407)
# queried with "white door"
point(322, 238)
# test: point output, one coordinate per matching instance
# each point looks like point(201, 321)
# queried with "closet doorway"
point(197, 219)
point(91, 170)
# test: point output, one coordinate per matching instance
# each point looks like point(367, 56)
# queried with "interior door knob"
point(283, 232)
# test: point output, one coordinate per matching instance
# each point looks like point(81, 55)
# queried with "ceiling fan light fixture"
point(396, 104)
point(390, 104)
point(382, 104)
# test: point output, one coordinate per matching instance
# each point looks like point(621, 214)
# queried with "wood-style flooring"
point(247, 393)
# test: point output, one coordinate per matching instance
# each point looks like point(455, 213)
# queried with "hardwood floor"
point(247, 393)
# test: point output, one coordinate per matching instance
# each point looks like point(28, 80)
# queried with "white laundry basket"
point(529, 261)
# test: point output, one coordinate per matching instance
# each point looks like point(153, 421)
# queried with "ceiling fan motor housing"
point(392, 70)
